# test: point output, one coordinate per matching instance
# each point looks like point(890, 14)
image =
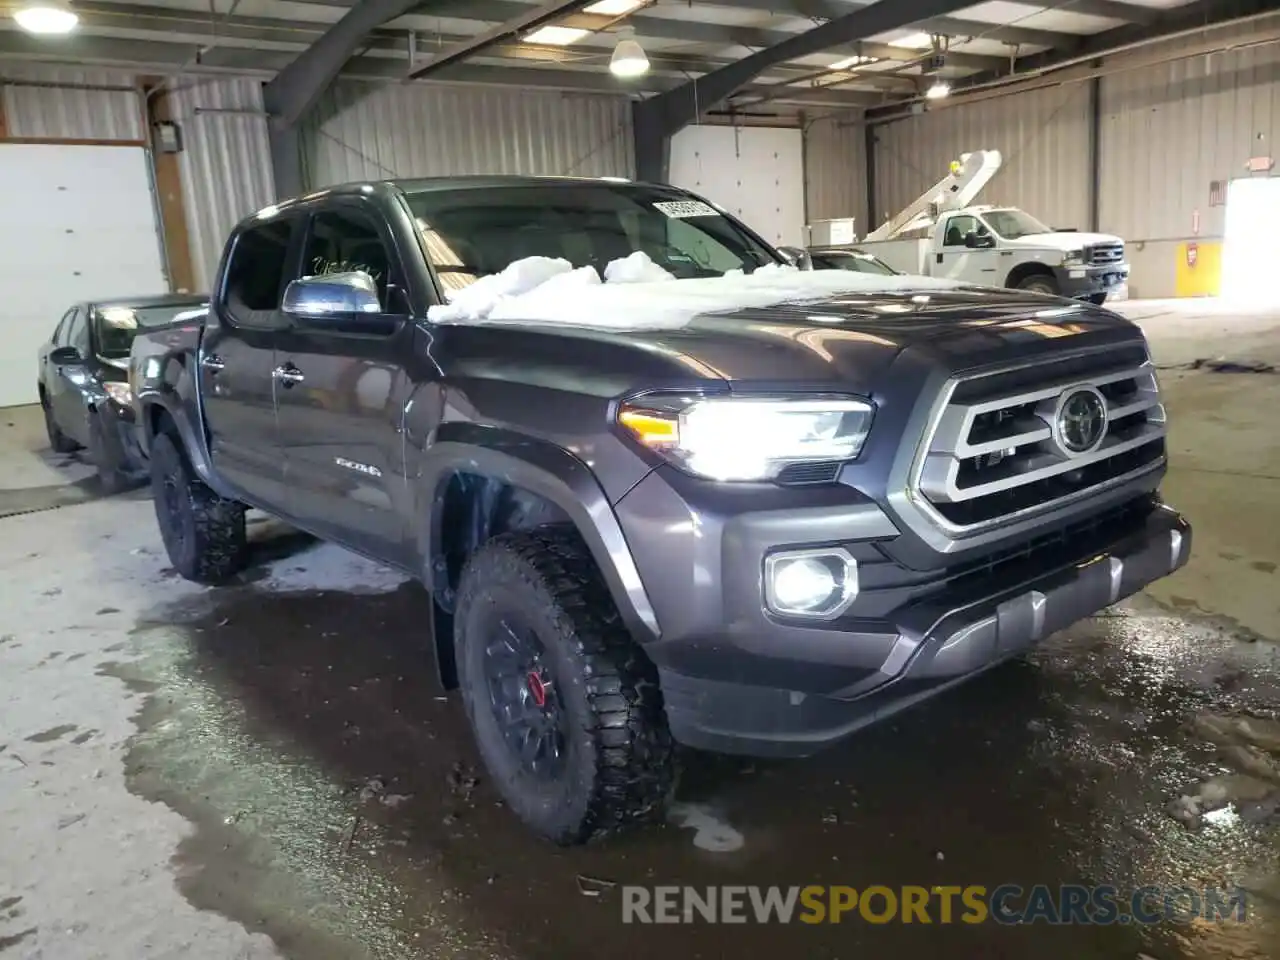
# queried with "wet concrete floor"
point(340, 809)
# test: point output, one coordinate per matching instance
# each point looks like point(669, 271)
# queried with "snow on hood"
point(577, 298)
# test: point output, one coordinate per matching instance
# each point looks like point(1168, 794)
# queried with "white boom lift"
point(959, 188)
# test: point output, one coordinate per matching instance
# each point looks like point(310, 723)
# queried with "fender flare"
point(553, 474)
point(194, 443)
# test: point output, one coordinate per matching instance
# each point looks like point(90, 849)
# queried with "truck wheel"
point(203, 533)
point(58, 440)
point(111, 478)
point(565, 707)
point(1039, 283)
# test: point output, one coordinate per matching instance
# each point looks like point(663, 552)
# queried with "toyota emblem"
point(1081, 423)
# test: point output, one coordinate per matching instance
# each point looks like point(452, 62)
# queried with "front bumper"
point(120, 438)
point(736, 679)
point(1081, 281)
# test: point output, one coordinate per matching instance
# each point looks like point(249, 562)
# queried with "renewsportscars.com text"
point(1005, 904)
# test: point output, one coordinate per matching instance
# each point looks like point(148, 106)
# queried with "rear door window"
point(257, 273)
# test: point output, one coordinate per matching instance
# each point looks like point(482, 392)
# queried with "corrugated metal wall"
point(835, 169)
point(1168, 130)
point(226, 161)
point(1043, 135)
point(71, 111)
point(364, 131)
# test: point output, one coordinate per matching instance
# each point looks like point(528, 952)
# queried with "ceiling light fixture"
point(629, 58)
point(939, 90)
point(914, 41)
point(613, 8)
point(555, 36)
point(46, 17)
point(854, 61)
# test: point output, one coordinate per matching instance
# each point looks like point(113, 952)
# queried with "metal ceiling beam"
point(1198, 13)
point(673, 110)
point(1112, 10)
point(511, 29)
point(297, 87)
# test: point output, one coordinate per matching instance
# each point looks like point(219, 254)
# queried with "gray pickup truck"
point(752, 532)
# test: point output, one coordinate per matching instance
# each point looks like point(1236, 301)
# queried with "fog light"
point(810, 583)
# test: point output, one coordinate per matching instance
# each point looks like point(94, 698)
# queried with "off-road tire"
point(203, 533)
point(1039, 283)
point(619, 766)
point(58, 440)
point(111, 479)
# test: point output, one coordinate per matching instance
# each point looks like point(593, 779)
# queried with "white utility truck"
point(943, 235)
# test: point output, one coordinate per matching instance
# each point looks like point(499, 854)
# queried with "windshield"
point(115, 326)
point(1012, 224)
point(848, 260)
point(470, 232)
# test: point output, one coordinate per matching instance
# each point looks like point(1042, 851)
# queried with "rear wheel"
point(565, 707)
point(203, 533)
point(58, 440)
point(1039, 283)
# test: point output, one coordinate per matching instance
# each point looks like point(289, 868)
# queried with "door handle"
point(288, 375)
point(212, 362)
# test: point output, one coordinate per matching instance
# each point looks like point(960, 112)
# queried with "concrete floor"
point(264, 770)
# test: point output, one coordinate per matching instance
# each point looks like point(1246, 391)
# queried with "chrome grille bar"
point(1010, 454)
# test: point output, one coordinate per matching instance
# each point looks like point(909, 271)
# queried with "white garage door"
point(78, 224)
point(756, 173)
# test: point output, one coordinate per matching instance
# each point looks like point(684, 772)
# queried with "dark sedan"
point(837, 258)
point(83, 376)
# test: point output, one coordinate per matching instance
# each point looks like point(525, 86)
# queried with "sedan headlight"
point(748, 438)
point(1073, 256)
point(119, 392)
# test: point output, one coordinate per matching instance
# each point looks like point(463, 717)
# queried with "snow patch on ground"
point(577, 298)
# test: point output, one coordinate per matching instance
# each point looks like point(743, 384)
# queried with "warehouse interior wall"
point(374, 131)
point(1170, 137)
point(225, 164)
point(835, 168)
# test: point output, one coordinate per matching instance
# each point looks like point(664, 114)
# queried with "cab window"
point(960, 227)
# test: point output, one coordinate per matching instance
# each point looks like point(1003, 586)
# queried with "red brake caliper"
point(537, 688)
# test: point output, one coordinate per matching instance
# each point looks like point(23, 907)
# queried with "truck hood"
point(842, 343)
point(1063, 241)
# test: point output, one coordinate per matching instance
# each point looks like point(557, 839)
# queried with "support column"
point(286, 159)
point(652, 142)
point(170, 199)
point(1095, 151)
point(869, 148)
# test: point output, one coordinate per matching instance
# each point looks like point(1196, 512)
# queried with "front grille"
point(1004, 446)
point(1101, 254)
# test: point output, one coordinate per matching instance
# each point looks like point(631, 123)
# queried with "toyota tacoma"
point(734, 505)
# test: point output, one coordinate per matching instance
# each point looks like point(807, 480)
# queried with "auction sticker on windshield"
point(683, 209)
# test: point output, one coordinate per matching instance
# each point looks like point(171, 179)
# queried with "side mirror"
point(65, 357)
point(978, 241)
point(332, 295)
point(797, 257)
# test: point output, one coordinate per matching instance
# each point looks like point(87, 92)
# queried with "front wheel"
point(1039, 283)
point(203, 533)
point(565, 707)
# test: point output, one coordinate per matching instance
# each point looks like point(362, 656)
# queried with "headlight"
point(1073, 256)
point(119, 392)
point(748, 438)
